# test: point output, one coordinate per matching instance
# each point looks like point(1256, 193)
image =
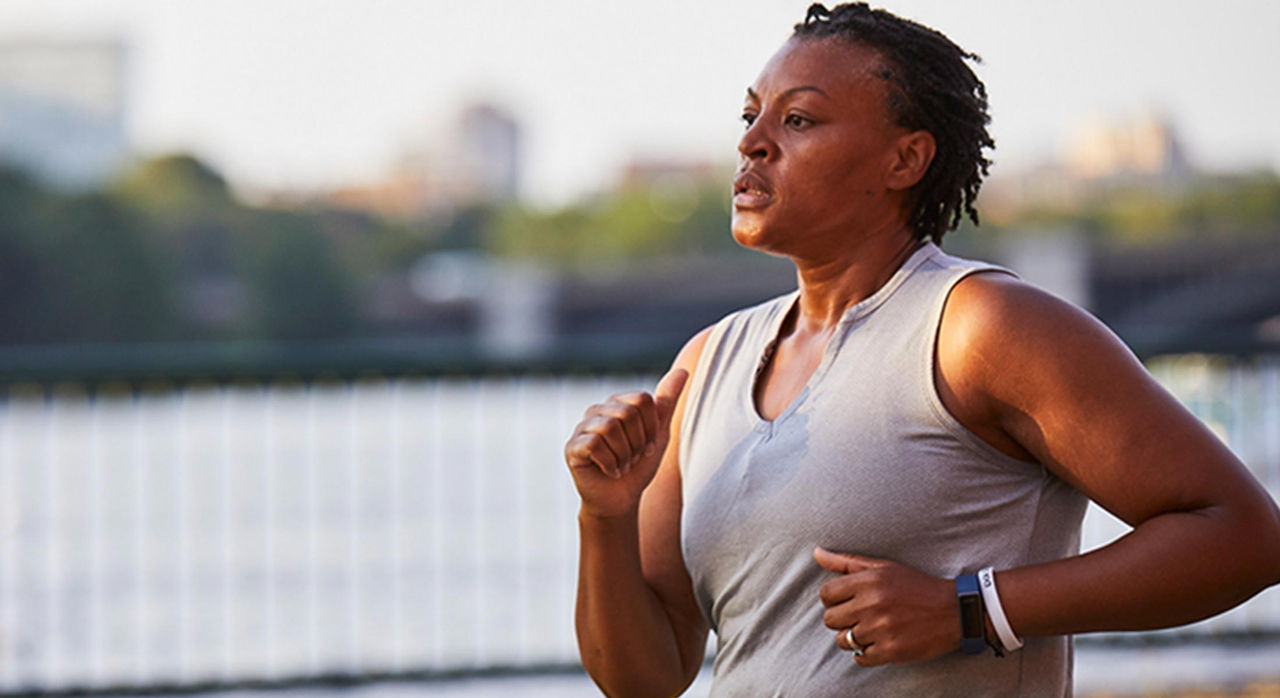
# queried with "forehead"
point(837, 67)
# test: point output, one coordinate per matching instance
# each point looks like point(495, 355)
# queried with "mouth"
point(750, 191)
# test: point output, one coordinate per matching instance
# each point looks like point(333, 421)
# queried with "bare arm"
point(1055, 381)
point(640, 632)
point(1042, 380)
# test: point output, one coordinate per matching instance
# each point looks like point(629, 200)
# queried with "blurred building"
point(1098, 157)
point(1145, 146)
point(485, 162)
point(63, 106)
point(476, 159)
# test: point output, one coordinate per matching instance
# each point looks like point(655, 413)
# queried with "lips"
point(750, 190)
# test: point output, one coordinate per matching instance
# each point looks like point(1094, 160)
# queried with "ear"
point(915, 152)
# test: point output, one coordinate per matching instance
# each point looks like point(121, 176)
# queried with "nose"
point(756, 143)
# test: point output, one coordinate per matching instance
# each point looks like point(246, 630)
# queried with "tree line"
point(166, 251)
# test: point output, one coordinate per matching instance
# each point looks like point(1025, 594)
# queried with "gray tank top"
point(866, 460)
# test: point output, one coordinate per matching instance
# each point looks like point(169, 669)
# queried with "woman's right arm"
point(640, 632)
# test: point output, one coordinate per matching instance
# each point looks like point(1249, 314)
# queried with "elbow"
point(1272, 547)
point(1258, 531)
point(617, 680)
point(633, 689)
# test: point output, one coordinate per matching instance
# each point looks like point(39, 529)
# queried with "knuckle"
point(578, 445)
point(632, 398)
point(572, 450)
point(608, 410)
point(628, 412)
point(623, 398)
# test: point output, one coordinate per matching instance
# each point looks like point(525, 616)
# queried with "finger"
point(591, 451)
point(667, 394)
point(845, 563)
point(864, 653)
point(632, 423)
point(838, 590)
point(842, 639)
point(611, 433)
point(870, 656)
point(844, 615)
point(643, 402)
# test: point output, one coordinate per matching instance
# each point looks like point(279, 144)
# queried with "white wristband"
point(991, 599)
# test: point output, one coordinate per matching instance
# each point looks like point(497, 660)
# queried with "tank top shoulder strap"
point(736, 341)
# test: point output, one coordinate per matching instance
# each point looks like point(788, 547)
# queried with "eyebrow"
point(802, 88)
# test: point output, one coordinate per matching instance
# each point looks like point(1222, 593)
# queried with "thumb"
point(844, 563)
point(667, 394)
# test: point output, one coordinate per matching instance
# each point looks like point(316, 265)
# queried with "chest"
point(784, 370)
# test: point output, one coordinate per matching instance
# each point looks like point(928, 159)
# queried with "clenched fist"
point(616, 448)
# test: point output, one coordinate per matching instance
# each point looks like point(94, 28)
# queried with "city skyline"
point(281, 99)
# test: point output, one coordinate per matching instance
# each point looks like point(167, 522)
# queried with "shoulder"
point(689, 354)
point(1025, 369)
point(999, 329)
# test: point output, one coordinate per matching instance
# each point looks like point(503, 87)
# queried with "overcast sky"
point(301, 94)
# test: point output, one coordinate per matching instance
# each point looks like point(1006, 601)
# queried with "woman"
point(823, 475)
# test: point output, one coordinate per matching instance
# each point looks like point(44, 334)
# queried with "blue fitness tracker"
point(972, 626)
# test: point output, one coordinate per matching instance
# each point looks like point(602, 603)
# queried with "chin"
point(745, 234)
point(753, 237)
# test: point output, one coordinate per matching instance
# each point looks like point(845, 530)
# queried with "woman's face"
point(815, 163)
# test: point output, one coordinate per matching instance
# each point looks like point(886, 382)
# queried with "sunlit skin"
point(824, 180)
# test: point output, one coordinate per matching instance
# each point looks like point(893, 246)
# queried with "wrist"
point(591, 516)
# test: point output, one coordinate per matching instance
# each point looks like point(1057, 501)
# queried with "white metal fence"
point(242, 532)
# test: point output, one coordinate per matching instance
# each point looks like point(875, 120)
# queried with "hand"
point(616, 448)
point(898, 614)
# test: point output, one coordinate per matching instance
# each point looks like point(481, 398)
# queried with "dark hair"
point(931, 88)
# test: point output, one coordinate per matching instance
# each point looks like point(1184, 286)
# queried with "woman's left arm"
point(1206, 535)
point(1037, 377)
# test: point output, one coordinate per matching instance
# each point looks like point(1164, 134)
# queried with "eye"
point(798, 122)
point(748, 118)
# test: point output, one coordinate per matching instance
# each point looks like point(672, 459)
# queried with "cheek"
point(843, 170)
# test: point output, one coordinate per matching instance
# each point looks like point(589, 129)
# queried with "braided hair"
point(931, 88)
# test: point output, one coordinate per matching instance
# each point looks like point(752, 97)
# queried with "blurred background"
point(299, 300)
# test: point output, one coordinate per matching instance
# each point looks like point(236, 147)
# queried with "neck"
point(829, 287)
